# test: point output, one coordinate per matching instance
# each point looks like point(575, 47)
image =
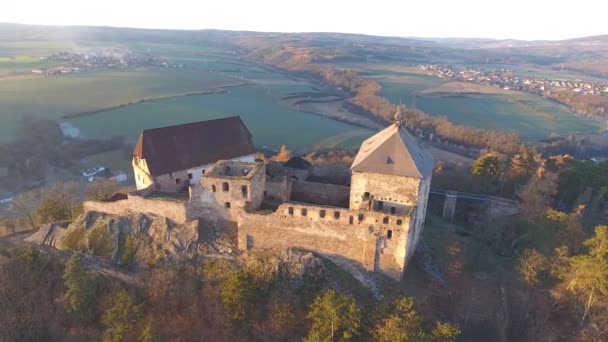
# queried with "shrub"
point(532, 267)
point(74, 240)
point(100, 241)
point(238, 294)
point(80, 284)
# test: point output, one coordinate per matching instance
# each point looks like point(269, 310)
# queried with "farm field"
point(55, 97)
point(271, 121)
point(531, 116)
point(115, 97)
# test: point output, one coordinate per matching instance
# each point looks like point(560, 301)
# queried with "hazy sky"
point(521, 19)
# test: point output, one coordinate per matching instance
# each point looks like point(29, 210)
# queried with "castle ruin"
point(374, 223)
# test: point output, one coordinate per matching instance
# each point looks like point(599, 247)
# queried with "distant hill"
point(588, 55)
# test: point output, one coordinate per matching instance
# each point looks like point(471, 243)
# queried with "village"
point(113, 58)
point(507, 80)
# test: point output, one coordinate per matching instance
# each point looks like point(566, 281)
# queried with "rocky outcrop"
point(295, 267)
point(133, 238)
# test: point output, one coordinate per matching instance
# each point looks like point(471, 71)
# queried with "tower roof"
point(393, 151)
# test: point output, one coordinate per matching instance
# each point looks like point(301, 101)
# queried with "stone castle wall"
point(374, 241)
point(402, 191)
point(278, 189)
point(332, 173)
point(320, 193)
point(174, 210)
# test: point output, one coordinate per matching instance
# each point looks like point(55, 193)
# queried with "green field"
point(272, 121)
point(55, 97)
point(532, 117)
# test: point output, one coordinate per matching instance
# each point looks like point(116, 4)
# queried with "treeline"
point(584, 104)
point(365, 96)
point(43, 298)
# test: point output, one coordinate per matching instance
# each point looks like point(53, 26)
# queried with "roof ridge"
point(191, 123)
point(409, 154)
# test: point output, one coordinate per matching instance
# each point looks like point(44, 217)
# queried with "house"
point(172, 158)
point(6, 197)
point(120, 177)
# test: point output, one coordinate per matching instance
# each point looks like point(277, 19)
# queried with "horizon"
point(540, 20)
point(430, 38)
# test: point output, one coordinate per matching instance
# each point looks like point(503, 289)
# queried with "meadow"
point(532, 117)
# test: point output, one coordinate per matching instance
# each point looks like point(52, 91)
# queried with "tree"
point(402, 323)
point(537, 195)
point(488, 165)
point(51, 209)
point(120, 317)
point(80, 284)
point(283, 155)
point(333, 317)
point(587, 276)
point(238, 294)
point(531, 267)
point(149, 334)
point(59, 202)
point(25, 205)
point(70, 195)
point(524, 163)
point(490, 168)
point(101, 190)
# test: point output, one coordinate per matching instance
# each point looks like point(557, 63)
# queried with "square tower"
point(392, 174)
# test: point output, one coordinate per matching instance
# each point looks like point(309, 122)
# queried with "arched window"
point(213, 188)
point(225, 186)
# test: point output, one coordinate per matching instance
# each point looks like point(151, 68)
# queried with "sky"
point(516, 19)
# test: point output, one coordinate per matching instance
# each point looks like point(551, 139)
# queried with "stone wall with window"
point(235, 185)
point(374, 241)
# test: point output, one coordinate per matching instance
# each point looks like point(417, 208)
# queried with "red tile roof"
point(176, 148)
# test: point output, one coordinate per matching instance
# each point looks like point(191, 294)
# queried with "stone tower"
point(392, 174)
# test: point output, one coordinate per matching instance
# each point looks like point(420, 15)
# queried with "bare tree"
point(68, 194)
point(25, 205)
point(101, 190)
